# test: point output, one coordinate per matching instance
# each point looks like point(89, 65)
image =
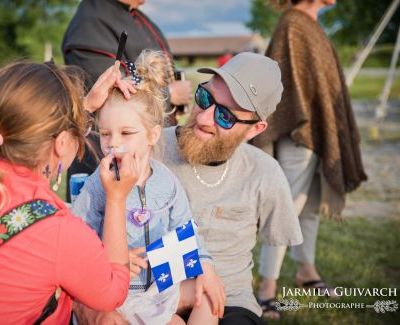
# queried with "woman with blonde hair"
point(315, 137)
point(48, 257)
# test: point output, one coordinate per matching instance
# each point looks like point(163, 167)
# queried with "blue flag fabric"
point(175, 257)
point(192, 264)
point(162, 275)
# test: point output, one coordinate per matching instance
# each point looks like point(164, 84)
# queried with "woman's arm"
point(95, 274)
point(114, 228)
point(83, 268)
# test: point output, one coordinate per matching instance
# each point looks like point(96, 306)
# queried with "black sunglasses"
point(222, 115)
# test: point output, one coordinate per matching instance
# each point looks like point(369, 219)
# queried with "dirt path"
point(380, 195)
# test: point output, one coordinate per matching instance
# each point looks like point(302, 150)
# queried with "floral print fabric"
point(23, 216)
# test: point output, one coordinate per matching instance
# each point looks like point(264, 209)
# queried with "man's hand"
point(211, 284)
point(88, 316)
point(181, 92)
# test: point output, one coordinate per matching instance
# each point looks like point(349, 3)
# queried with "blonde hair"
point(152, 68)
point(37, 102)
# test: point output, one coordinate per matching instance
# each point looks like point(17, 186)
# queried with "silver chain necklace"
point(212, 184)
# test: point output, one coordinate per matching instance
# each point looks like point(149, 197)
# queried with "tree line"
point(349, 22)
point(27, 25)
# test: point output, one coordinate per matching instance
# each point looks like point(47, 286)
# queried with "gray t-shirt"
point(254, 198)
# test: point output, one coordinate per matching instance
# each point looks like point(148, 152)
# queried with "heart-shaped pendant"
point(139, 216)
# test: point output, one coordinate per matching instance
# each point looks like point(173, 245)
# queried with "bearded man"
point(236, 191)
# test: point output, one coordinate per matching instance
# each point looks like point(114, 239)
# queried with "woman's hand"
point(136, 261)
point(131, 168)
point(111, 78)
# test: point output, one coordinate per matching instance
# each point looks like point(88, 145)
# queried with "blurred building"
point(211, 47)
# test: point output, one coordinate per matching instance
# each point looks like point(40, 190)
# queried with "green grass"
point(364, 87)
point(62, 191)
point(359, 253)
point(367, 87)
point(379, 57)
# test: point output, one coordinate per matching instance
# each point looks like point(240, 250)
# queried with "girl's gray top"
point(165, 197)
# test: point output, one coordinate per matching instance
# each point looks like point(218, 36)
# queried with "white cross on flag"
point(174, 257)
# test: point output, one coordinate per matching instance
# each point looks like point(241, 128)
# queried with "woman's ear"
point(155, 134)
point(62, 144)
point(256, 129)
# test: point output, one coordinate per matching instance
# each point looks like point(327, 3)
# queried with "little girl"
point(135, 126)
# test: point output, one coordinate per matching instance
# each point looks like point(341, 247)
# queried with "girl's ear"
point(155, 134)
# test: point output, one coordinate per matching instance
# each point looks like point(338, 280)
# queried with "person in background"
point(315, 137)
point(42, 264)
point(91, 42)
point(224, 58)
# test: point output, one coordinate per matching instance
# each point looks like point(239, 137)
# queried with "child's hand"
point(136, 261)
point(109, 79)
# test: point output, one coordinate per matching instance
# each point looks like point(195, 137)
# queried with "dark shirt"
point(91, 40)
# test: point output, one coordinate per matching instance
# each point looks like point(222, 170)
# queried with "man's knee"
point(239, 316)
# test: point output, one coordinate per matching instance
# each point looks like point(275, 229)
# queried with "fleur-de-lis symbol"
point(191, 263)
point(163, 277)
point(47, 171)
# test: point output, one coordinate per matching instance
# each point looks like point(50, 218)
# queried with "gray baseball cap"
point(254, 81)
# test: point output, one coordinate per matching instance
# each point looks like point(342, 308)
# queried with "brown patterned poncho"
point(315, 110)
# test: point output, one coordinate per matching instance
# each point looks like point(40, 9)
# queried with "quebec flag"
point(174, 257)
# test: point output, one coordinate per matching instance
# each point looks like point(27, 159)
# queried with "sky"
point(199, 17)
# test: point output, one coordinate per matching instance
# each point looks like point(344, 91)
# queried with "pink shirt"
point(58, 251)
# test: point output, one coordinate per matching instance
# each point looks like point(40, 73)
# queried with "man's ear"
point(256, 129)
point(155, 134)
point(61, 144)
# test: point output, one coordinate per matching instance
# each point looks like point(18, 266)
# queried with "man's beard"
point(203, 152)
